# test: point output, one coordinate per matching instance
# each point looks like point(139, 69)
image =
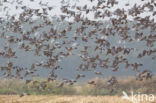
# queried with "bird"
point(96, 43)
point(92, 82)
point(23, 94)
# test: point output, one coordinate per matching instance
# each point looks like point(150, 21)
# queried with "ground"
point(63, 99)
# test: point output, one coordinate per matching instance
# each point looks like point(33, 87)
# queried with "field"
point(10, 91)
point(64, 99)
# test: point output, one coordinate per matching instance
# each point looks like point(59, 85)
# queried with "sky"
point(11, 6)
point(11, 10)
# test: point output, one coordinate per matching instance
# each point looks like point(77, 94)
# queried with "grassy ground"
point(64, 99)
point(17, 87)
point(84, 93)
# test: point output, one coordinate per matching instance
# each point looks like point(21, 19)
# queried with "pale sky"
point(57, 4)
point(56, 11)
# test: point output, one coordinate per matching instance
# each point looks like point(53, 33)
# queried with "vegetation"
point(129, 84)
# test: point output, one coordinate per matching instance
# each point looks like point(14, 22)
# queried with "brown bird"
point(92, 82)
point(94, 43)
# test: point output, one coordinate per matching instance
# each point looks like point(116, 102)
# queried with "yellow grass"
point(64, 99)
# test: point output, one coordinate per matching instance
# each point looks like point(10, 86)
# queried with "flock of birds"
point(57, 44)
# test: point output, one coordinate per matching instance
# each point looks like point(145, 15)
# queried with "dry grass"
point(16, 87)
point(83, 93)
point(64, 99)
